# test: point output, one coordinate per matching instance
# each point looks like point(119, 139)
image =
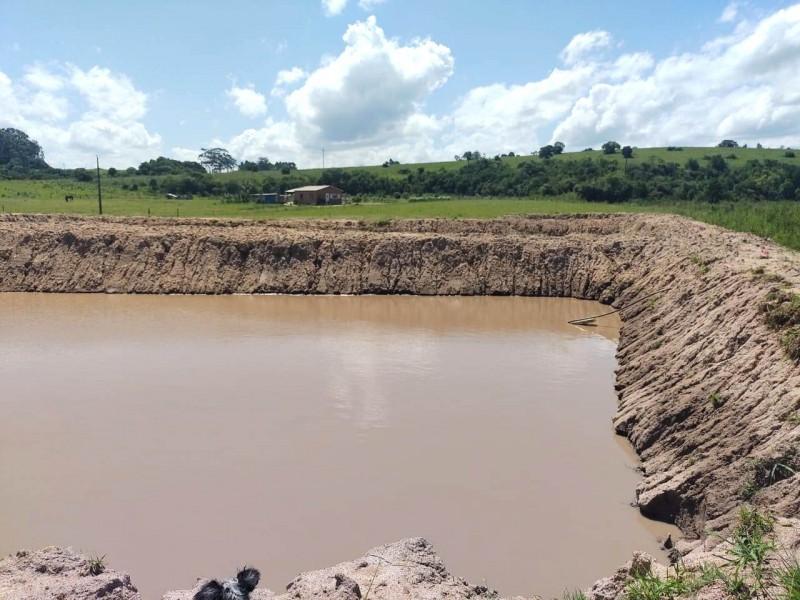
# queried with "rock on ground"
point(60, 574)
point(406, 570)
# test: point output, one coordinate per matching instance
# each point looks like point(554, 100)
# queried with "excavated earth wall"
point(706, 390)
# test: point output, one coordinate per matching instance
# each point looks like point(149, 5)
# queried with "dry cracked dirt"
point(707, 394)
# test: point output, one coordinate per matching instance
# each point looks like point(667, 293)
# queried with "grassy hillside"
point(119, 187)
point(640, 155)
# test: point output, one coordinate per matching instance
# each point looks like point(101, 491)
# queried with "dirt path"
point(707, 395)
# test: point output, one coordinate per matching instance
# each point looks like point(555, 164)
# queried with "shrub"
point(781, 309)
point(610, 147)
point(789, 578)
point(647, 586)
point(750, 545)
point(716, 400)
point(609, 189)
point(96, 565)
point(791, 342)
point(769, 471)
point(789, 154)
point(83, 175)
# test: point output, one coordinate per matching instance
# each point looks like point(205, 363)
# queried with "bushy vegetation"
point(753, 566)
point(97, 565)
point(20, 156)
point(593, 180)
point(168, 166)
point(781, 310)
point(789, 578)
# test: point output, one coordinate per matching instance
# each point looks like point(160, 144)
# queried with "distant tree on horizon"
point(728, 144)
point(627, 152)
point(216, 160)
point(469, 155)
point(546, 152)
point(18, 151)
point(610, 147)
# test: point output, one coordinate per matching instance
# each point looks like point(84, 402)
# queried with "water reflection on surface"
point(183, 436)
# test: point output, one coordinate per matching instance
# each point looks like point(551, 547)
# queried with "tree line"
point(711, 179)
point(590, 177)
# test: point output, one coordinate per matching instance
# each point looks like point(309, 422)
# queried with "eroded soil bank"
point(705, 389)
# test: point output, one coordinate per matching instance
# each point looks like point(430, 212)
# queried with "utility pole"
point(323, 159)
point(99, 191)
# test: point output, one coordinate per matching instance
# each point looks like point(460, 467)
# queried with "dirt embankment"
point(707, 395)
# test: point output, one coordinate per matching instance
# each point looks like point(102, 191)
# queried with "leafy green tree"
point(19, 152)
point(169, 166)
point(112, 172)
point(713, 192)
point(470, 155)
point(728, 144)
point(717, 163)
point(216, 160)
point(610, 147)
point(83, 175)
point(627, 152)
point(558, 147)
point(546, 152)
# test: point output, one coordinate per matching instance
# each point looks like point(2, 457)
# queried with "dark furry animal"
point(232, 589)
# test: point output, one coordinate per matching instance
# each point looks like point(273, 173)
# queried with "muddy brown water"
point(183, 436)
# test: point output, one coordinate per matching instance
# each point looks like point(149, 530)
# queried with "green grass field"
point(779, 221)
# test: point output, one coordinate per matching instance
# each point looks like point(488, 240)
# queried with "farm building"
point(317, 194)
point(267, 198)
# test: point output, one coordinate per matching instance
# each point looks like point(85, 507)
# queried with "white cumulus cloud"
point(290, 76)
point(745, 87)
point(75, 114)
point(109, 94)
point(371, 86)
point(287, 78)
point(730, 12)
point(582, 46)
point(39, 77)
point(333, 7)
point(368, 102)
point(248, 101)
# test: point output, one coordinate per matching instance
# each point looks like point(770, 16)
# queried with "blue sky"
point(415, 80)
